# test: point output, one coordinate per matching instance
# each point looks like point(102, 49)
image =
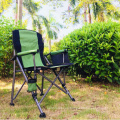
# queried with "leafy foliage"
point(100, 10)
point(4, 4)
point(95, 50)
point(6, 28)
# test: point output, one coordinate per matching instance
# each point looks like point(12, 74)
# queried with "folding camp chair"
point(28, 52)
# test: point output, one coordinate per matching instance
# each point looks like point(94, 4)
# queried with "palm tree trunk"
point(49, 45)
point(85, 15)
point(89, 14)
point(16, 11)
point(20, 11)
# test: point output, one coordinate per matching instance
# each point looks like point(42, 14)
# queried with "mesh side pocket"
point(32, 85)
point(59, 59)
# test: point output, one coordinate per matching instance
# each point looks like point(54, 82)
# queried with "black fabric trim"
point(32, 81)
point(16, 43)
point(41, 47)
point(58, 58)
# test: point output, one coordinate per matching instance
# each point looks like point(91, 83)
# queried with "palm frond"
point(45, 21)
point(31, 6)
point(72, 2)
point(55, 36)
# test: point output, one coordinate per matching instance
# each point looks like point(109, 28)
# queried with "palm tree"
point(51, 30)
point(32, 8)
point(39, 21)
point(100, 9)
point(89, 14)
point(16, 11)
point(85, 15)
point(19, 11)
point(80, 5)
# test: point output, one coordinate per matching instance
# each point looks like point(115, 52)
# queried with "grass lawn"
point(99, 101)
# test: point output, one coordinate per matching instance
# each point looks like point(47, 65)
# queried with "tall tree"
point(85, 14)
point(89, 14)
point(16, 12)
point(100, 8)
point(32, 7)
point(51, 30)
point(105, 8)
point(19, 17)
point(37, 20)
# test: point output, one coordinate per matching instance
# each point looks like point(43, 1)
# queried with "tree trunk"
point(49, 45)
point(89, 14)
point(85, 15)
point(16, 11)
point(20, 11)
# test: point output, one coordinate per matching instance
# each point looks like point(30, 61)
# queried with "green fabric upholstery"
point(32, 87)
point(26, 52)
point(29, 42)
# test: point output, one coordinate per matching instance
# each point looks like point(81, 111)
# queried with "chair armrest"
point(58, 52)
point(27, 52)
point(24, 53)
point(54, 53)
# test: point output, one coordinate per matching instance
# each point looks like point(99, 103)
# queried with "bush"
point(6, 47)
point(95, 50)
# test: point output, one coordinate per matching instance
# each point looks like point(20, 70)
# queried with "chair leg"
point(63, 85)
point(53, 83)
point(13, 83)
point(42, 114)
point(68, 93)
point(42, 84)
point(64, 77)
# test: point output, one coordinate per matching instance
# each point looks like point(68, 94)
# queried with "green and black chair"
point(28, 53)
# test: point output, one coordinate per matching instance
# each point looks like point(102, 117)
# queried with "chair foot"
point(12, 104)
point(72, 99)
point(42, 115)
point(41, 94)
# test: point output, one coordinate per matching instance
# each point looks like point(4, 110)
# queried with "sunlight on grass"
point(92, 102)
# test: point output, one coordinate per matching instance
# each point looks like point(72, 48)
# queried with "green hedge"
point(6, 47)
point(95, 50)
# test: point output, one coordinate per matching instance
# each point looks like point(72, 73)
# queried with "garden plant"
point(95, 51)
point(6, 50)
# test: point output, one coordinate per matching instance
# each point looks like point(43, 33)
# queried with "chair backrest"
point(25, 40)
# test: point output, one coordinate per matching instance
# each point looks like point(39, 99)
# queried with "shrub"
point(6, 49)
point(95, 50)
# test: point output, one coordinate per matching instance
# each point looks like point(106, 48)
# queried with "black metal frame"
point(34, 93)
